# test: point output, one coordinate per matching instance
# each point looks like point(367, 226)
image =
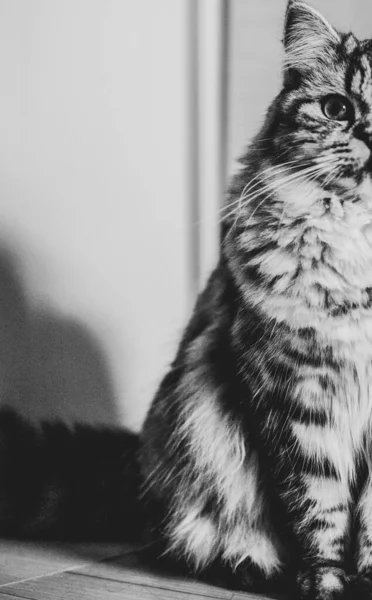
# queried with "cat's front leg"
point(318, 502)
point(361, 585)
point(322, 531)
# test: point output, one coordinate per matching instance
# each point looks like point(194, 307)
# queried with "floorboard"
point(31, 571)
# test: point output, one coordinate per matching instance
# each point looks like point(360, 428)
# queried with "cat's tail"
point(79, 483)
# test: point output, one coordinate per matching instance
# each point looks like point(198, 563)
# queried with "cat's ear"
point(307, 36)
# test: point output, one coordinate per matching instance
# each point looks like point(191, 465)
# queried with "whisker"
point(274, 184)
point(281, 167)
point(310, 173)
point(262, 174)
point(272, 187)
point(267, 179)
point(253, 189)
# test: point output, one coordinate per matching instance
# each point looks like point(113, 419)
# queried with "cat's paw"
point(360, 587)
point(321, 583)
point(247, 577)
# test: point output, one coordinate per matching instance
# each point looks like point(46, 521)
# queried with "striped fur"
point(256, 454)
point(257, 446)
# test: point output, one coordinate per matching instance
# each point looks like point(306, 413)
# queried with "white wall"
point(256, 57)
point(94, 223)
point(96, 150)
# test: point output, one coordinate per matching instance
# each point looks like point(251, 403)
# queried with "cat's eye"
point(337, 108)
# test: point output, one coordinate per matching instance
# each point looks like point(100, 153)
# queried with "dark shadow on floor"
point(51, 367)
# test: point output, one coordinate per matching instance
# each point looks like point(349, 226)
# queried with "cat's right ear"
point(308, 37)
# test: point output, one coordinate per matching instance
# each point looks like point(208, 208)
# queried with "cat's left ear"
point(307, 36)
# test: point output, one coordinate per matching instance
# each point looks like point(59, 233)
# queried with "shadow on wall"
point(51, 367)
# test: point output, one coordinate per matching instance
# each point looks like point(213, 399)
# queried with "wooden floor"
point(93, 572)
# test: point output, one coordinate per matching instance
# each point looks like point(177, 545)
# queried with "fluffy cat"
point(256, 452)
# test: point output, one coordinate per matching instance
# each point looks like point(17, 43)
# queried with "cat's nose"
point(364, 134)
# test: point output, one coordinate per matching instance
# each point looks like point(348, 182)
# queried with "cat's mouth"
point(333, 205)
point(327, 203)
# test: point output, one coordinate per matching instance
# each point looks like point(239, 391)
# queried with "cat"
point(256, 453)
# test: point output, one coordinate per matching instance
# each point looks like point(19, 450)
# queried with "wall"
point(97, 147)
point(94, 224)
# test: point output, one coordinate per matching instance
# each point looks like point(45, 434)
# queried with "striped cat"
point(256, 453)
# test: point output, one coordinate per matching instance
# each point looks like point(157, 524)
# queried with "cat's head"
point(323, 116)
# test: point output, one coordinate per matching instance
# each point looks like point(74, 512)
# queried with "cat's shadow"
point(51, 367)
